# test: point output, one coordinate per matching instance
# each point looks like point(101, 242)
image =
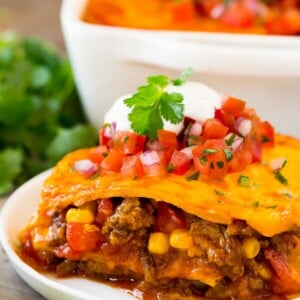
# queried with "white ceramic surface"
point(110, 61)
point(14, 215)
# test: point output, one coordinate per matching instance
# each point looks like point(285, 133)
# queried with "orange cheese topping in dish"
point(208, 209)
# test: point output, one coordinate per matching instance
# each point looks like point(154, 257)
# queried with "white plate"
point(14, 215)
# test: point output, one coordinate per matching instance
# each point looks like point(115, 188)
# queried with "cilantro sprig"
point(152, 104)
point(41, 118)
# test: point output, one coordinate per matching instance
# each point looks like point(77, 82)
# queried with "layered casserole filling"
point(156, 247)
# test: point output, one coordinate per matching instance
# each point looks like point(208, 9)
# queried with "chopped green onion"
point(271, 206)
point(194, 176)
point(244, 181)
point(220, 164)
point(230, 140)
point(210, 151)
point(228, 154)
point(280, 178)
point(287, 195)
point(94, 176)
point(170, 167)
point(219, 193)
point(203, 160)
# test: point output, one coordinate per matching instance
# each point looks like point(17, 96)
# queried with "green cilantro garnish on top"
point(183, 77)
point(152, 104)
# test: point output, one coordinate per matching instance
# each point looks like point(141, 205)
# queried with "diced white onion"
point(86, 166)
point(277, 164)
point(196, 129)
point(149, 158)
point(217, 11)
point(237, 142)
point(110, 130)
point(243, 126)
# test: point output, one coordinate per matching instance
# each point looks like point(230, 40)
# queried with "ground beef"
point(244, 288)
point(131, 216)
point(218, 248)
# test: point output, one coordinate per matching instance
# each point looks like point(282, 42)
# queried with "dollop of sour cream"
point(200, 103)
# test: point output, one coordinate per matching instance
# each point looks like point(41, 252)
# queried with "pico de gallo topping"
point(236, 16)
point(227, 142)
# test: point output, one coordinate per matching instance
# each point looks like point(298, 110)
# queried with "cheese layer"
point(267, 205)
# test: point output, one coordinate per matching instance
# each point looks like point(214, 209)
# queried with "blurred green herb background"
point(41, 118)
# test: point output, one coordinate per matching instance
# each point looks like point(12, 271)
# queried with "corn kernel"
point(39, 238)
point(250, 247)
point(181, 239)
point(264, 272)
point(79, 215)
point(158, 243)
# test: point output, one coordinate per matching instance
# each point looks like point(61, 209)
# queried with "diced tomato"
point(254, 147)
point(236, 15)
point(129, 142)
point(249, 113)
point(168, 139)
point(65, 251)
point(183, 10)
point(265, 134)
point(156, 169)
point(164, 157)
point(104, 210)
point(291, 19)
point(233, 106)
point(210, 159)
point(225, 118)
point(132, 166)
point(287, 21)
point(83, 237)
point(113, 161)
point(179, 163)
point(168, 218)
point(282, 281)
point(98, 154)
point(214, 129)
point(240, 160)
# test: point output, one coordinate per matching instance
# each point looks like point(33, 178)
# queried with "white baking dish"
point(111, 61)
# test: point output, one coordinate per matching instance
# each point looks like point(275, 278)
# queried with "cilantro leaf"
point(160, 80)
point(10, 167)
point(38, 99)
point(68, 140)
point(151, 105)
point(171, 107)
point(183, 77)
